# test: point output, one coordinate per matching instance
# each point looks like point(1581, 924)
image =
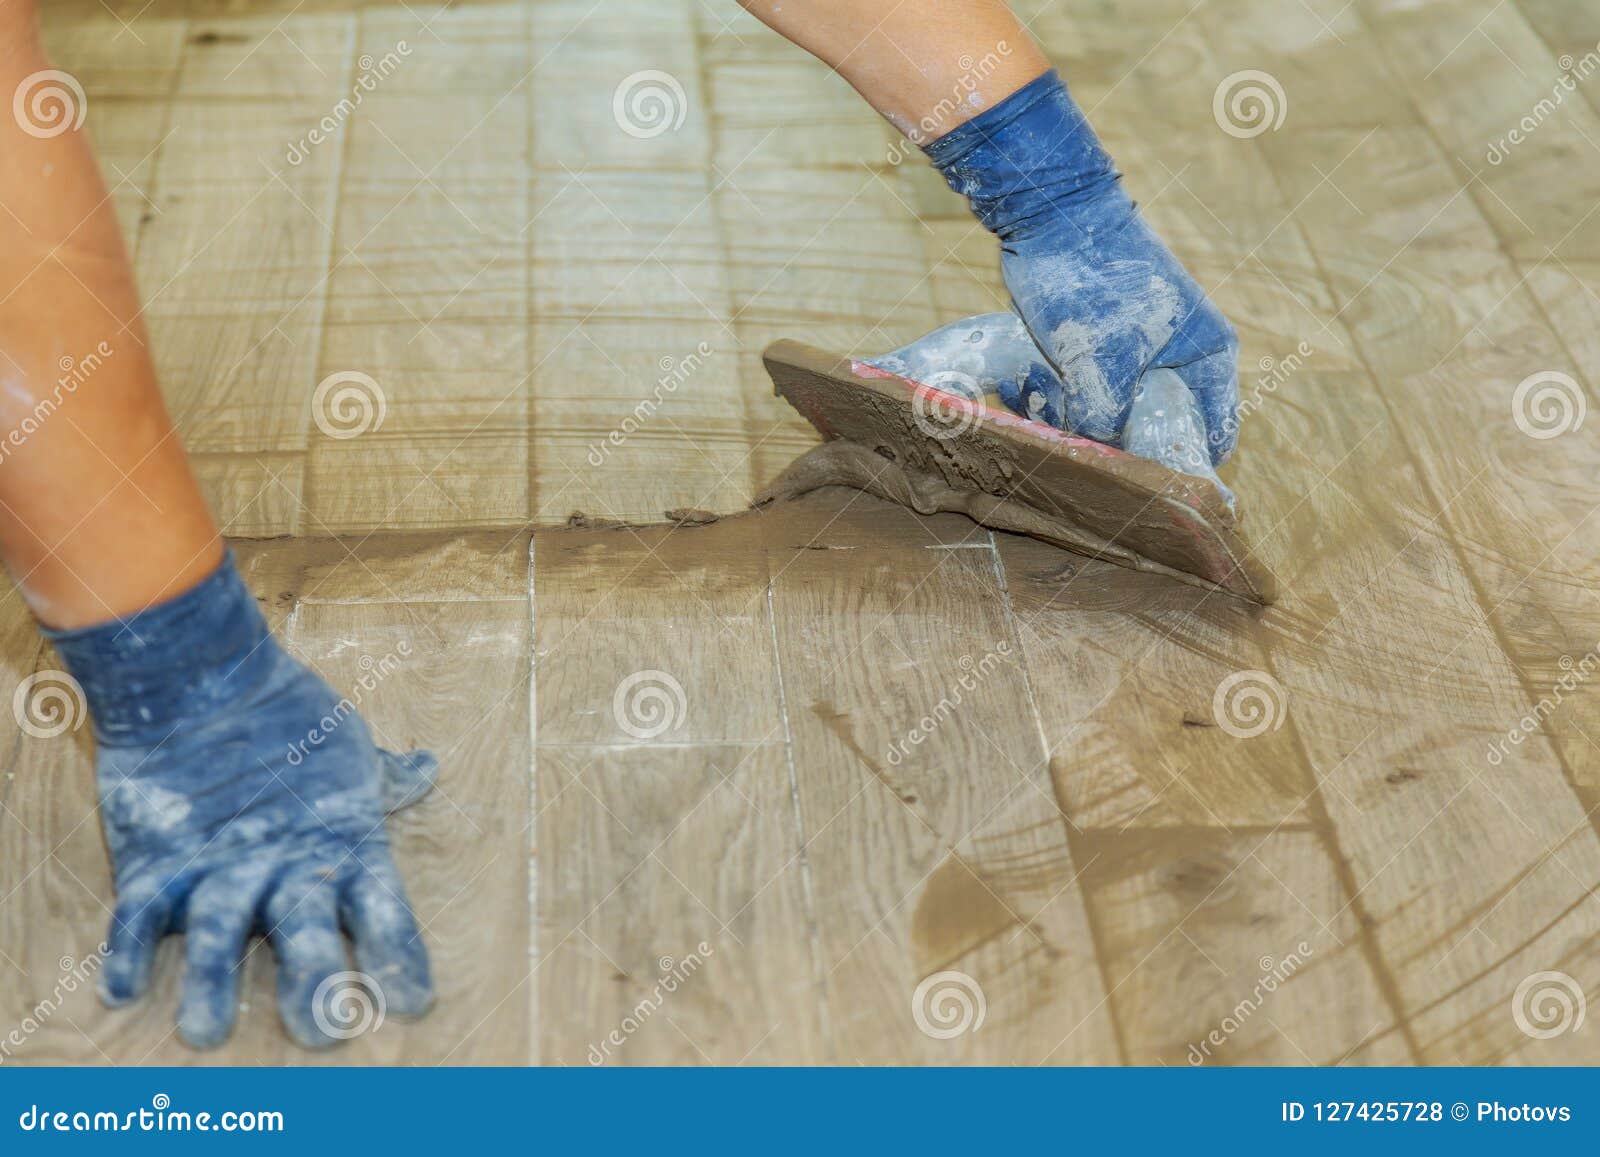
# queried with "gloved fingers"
point(1214, 382)
point(1037, 395)
point(967, 357)
point(1097, 387)
point(406, 778)
point(389, 945)
point(1165, 423)
point(302, 917)
point(222, 910)
point(143, 916)
point(1013, 396)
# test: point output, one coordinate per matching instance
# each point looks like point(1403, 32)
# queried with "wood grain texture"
point(933, 837)
point(674, 913)
point(1425, 294)
point(483, 237)
point(1197, 818)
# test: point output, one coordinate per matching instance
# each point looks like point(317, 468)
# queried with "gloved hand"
point(987, 358)
point(241, 793)
point(1104, 299)
point(992, 358)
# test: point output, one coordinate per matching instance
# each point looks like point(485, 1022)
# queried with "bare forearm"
point(99, 514)
point(927, 67)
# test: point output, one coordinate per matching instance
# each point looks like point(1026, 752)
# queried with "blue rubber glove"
point(241, 793)
point(1104, 299)
point(992, 358)
point(988, 358)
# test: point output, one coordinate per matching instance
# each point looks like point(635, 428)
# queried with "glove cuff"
point(1024, 157)
point(145, 674)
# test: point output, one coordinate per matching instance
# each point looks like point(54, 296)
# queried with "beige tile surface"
point(532, 311)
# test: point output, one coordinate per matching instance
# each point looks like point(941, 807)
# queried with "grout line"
point(813, 931)
point(415, 600)
point(729, 314)
point(535, 1039)
point(319, 318)
point(530, 192)
point(169, 106)
point(1070, 832)
point(656, 744)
